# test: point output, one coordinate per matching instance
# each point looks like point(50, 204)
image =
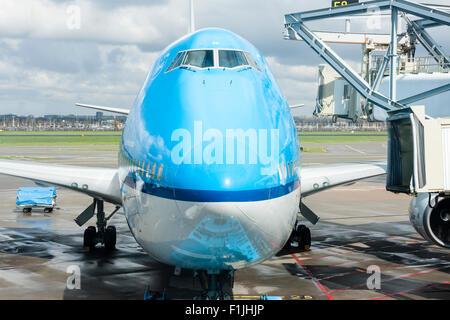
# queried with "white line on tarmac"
point(358, 189)
point(354, 149)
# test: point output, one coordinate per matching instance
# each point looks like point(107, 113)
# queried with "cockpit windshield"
point(251, 61)
point(213, 58)
point(232, 59)
point(199, 58)
point(177, 61)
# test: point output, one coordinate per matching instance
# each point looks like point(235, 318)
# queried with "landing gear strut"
point(103, 234)
point(216, 286)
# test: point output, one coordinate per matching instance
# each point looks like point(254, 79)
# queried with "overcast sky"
point(50, 59)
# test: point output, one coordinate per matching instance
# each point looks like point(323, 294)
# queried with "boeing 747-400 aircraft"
point(209, 172)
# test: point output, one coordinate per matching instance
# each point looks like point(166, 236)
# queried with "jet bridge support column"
point(394, 55)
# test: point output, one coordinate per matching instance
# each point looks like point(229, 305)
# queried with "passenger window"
point(177, 61)
point(199, 58)
point(231, 59)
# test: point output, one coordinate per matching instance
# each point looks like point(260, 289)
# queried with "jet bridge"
point(420, 152)
point(366, 87)
point(419, 145)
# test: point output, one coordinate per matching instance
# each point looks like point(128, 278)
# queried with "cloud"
point(95, 21)
point(59, 56)
point(108, 4)
point(46, 66)
point(33, 83)
point(292, 72)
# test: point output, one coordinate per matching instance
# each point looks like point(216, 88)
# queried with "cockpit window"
point(177, 61)
point(213, 58)
point(251, 61)
point(232, 59)
point(199, 58)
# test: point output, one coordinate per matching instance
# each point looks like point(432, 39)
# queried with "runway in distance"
point(209, 170)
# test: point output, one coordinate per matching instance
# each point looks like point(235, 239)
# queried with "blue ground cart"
point(29, 198)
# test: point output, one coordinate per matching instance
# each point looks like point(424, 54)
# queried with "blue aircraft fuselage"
point(209, 157)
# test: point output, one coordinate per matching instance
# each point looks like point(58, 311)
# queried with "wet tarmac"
point(361, 227)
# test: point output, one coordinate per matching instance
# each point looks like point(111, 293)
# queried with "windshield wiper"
point(246, 68)
point(187, 68)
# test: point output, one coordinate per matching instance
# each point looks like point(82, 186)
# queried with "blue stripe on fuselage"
point(213, 195)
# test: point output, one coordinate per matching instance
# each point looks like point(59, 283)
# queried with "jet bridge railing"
point(426, 40)
point(427, 64)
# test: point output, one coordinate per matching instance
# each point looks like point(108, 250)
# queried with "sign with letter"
point(340, 3)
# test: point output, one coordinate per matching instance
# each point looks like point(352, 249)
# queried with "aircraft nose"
point(234, 235)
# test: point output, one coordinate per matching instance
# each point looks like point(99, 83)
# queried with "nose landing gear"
point(300, 238)
point(216, 285)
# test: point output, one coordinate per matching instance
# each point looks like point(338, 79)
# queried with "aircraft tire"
point(89, 238)
point(305, 237)
point(110, 238)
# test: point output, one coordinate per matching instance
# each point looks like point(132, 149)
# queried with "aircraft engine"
point(430, 219)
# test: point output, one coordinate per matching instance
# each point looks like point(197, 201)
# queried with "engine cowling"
point(431, 222)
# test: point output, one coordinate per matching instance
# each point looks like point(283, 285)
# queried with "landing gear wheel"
point(48, 210)
point(110, 238)
point(102, 234)
point(305, 237)
point(300, 238)
point(154, 295)
point(216, 286)
point(26, 210)
point(89, 239)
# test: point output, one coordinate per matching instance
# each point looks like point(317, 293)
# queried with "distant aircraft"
point(209, 172)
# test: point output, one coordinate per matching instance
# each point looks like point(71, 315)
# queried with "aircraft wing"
point(100, 183)
point(295, 106)
point(107, 109)
point(320, 178)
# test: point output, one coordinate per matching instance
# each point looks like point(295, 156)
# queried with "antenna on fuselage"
point(192, 20)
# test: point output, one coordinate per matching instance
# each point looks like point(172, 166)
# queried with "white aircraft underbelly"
point(210, 235)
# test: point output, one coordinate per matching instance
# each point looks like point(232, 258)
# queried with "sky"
point(55, 53)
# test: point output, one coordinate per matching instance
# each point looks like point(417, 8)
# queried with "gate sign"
point(340, 3)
